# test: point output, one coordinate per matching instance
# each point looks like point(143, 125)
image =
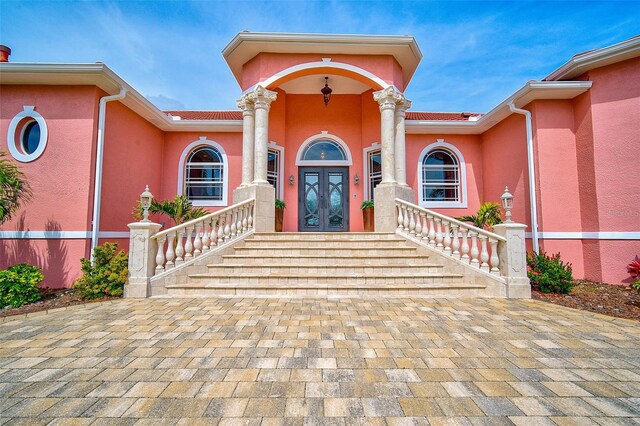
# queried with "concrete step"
point(282, 243)
point(324, 236)
point(403, 259)
point(343, 251)
point(344, 279)
point(327, 269)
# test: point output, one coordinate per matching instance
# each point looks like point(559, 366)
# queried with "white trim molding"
point(26, 116)
point(587, 235)
point(462, 204)
point(375, 146)
point(59, 235)
point(273, 145)
point(203, 141)
point(322, 136)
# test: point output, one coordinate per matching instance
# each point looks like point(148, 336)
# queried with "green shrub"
point(366, 204)
point(549, 274)
point(636, 285)
point(19, 285)
point(280, 204)
point(106, 276)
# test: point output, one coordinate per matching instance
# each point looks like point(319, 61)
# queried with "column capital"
point(246, 105)
point(261, 97)
point(388, 98)
point(402, 107)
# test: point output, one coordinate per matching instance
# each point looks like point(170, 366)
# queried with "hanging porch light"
point(326, 91)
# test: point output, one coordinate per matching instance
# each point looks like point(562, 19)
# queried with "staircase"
point(328, 264)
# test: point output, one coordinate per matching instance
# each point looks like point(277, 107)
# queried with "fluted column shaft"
point(385, 99)
point(248, 138)
point(262, 102)
point(399, 143)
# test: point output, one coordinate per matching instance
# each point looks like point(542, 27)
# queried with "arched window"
point(205, 174)
point(324, 150)
point(441, 176)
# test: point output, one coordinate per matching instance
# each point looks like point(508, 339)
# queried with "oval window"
point(30, 137)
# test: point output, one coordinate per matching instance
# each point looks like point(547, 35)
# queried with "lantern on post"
point(507, 203)
point(145, 202)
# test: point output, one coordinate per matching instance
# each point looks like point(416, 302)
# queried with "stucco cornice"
point(246, 45)
point(98, 74)
point(533, 90)
point(587, 61)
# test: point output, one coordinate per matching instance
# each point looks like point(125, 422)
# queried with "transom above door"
point(323, 199)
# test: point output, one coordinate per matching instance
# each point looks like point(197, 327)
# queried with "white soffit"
point(98, 74)
point(246, 45)
point(587, 61)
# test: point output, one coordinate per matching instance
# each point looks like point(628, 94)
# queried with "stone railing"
point(152, 252)
point(459, 240)
point(502, 254)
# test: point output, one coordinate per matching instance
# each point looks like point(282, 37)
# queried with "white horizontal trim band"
point(59, 235)
point(587, 235)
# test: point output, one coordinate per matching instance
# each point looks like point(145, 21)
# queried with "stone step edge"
point(353, 265)
point(312, 256)
point(405, 248)
point(325, 287)
point(340, 276)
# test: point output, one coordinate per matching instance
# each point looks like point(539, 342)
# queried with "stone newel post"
point(142, 253)
point(513, 259)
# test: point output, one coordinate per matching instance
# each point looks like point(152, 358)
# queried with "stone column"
point(262, 102)
point(142, 253)
point(513, 259)
point(248, 136)
point(400, 157)
point(387, 100)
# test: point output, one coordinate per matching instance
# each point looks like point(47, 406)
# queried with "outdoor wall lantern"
point(326, 91)
point(145, 202)
point(356, 179)
point(291, 180)
point(507, 203)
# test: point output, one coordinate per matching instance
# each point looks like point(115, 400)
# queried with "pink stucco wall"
point(265, 65)
point(61, 179)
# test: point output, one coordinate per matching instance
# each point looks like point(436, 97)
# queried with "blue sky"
point(475, 53)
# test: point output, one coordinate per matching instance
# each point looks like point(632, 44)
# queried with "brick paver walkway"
point(278, 361)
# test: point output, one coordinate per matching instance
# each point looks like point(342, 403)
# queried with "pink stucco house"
point(566, 146)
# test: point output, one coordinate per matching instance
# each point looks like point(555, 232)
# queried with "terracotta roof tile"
point(237, 115)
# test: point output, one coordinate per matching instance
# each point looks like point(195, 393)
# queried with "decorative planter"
point(367, 218)
point(279, 219)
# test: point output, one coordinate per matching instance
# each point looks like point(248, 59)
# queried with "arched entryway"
point(323, 184)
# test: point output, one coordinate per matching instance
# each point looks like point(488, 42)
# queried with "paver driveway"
point(319, 361)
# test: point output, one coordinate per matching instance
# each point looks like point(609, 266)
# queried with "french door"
point(323, 199)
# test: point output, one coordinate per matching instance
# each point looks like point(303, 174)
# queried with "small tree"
point(179, 210)
point(488, 215)
point(14, 188)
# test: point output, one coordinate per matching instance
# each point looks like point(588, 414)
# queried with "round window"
point(27, 135)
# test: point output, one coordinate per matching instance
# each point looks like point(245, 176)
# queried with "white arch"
point(462, 203)
point(320, 64)
point(324, 135)
point(27, 112)
point(203, 141)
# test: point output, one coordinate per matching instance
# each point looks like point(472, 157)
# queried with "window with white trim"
point(204, 175)
point(374, 170)
point(27, 135)
point(273, 170)
point(440, 177)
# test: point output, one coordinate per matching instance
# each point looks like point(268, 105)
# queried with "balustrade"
point(453, 238)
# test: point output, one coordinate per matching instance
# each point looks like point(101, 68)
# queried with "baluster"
point(495, 260)
point(484, 254)
point(400, 218)
point(239, 221)
point(171, 253)
point(412, 221)
point(474, 249)
point(439, 237)
point(197, 242)
point(233, 228)
point(188, 247)
point(425, 226)
point(405, 218)
point(179, 247)
point(245, 214)
point(465, 245)
point(206, 235)
point(447, 238)
point(456, 242)
point(227, 227)
point(160, 256)
point(432, 231)
point(250, 218)
point(419, 215)
point(220, 230)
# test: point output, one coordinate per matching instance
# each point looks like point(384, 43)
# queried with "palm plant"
point(14, 188)
point(179, 210)
point(488, 215)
